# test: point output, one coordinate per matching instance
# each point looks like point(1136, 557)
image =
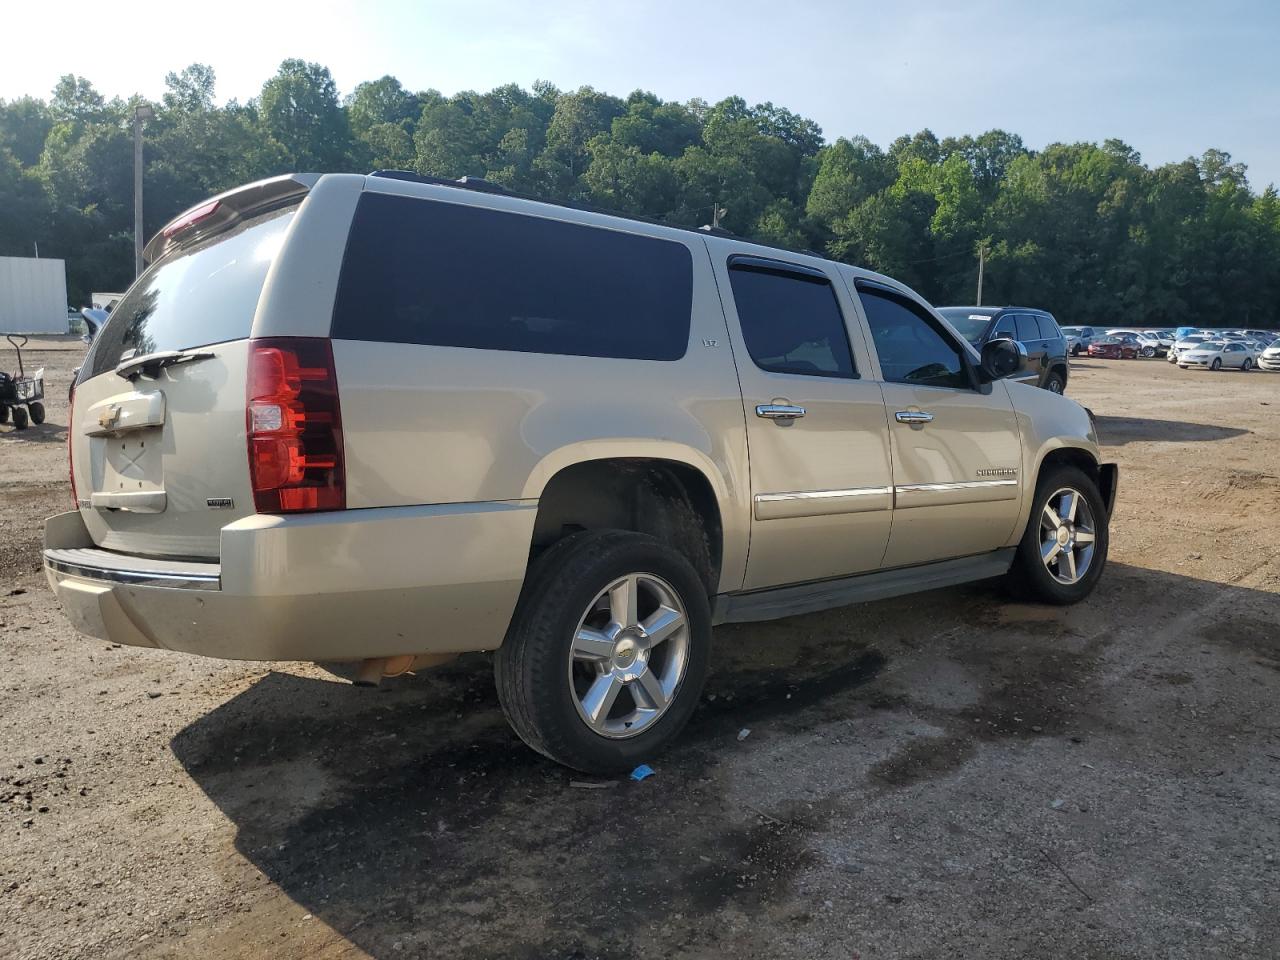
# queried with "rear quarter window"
point(455, 275)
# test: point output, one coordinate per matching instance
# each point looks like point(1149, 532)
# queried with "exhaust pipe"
point(373, 670)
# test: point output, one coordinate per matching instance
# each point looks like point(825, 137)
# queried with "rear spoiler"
point(226, 210)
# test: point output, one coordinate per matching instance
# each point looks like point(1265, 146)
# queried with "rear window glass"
point(447, 274)
point(205, 294)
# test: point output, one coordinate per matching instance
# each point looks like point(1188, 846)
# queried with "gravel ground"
point(938, 776)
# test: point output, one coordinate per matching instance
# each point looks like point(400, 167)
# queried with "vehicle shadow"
point(412, 815)
point(47, 432)
point(1117, 431)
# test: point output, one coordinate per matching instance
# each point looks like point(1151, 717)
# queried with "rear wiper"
point(153, 363)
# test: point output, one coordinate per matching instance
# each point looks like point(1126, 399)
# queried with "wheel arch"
point(673, 498)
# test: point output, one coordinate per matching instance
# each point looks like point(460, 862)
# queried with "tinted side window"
point(1049, 329)
point(447, 274)
point(1004, 328)
point(791, 322)
point(1027, 328)
point(911, 345)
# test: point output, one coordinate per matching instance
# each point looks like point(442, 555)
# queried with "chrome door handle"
point(779, 411)
point(913, 416)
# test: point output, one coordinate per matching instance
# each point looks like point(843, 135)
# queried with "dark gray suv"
point(1035, 329)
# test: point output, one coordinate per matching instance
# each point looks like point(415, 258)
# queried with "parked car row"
point(1236, 350)
point(1186, 346)
point(1146, 343)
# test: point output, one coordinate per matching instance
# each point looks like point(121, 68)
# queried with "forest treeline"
point(1087, 230)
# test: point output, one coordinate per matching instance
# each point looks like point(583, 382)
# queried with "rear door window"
point(791, 322)
point(207, 293)
point(1027, 328)
point(455, 275)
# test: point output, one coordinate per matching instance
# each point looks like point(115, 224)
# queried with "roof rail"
point(466, 183)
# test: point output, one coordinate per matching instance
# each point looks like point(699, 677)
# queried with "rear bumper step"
point(93, 564)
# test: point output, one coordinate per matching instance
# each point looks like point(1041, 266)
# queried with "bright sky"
point(1169, 77)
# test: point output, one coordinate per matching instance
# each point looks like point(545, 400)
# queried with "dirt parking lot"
point(950, 775)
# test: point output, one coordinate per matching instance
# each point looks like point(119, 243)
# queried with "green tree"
point(299, 110)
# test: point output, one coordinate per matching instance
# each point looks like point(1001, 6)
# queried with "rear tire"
point(19, 417)
point(547, 673)
point(37, 412)
point(4, 413)
point(1060, 579)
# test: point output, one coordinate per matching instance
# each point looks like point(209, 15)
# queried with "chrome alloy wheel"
point(629, 655)
point(1067, 536)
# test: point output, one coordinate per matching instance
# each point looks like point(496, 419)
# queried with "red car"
point(1114, 348)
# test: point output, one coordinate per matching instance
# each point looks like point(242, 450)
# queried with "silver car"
point(389, 419)
point(1216, 354)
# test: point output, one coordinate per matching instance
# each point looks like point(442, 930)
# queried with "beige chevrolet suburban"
point(386, 419)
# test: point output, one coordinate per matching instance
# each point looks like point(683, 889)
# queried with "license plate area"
point(132, 477)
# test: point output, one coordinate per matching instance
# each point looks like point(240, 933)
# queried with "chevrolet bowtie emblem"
point(108, 418)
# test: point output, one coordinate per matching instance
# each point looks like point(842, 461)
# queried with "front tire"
point(1148, 352)
point(19, 415)
point(1245, 367)
point(1217, 364)
point(1064, 547)
point(607, 653)
point(1055, 383)
point(37, 412)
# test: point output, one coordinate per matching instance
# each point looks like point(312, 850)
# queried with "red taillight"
point(190, 219)
point(71, 456)
point(294, 426)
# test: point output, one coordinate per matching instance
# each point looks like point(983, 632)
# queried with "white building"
point(33, 295)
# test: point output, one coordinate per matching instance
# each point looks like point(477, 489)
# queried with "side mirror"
point(1000, 358)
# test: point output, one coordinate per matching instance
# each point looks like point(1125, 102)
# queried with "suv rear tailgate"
point(159, 455)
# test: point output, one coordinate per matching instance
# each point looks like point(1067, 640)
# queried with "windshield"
point(207, 293)
point(1071, 331)
point(968, 323)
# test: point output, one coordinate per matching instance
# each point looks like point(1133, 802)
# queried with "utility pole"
point(982, 262)
point(717, 212)
point(140, 112)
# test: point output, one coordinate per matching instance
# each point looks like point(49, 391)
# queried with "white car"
point(1078, 339)
point(1270, 358)
point(1189, 342)
point(1216, 354)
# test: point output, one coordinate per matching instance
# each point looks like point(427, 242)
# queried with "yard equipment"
point(21, 396)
